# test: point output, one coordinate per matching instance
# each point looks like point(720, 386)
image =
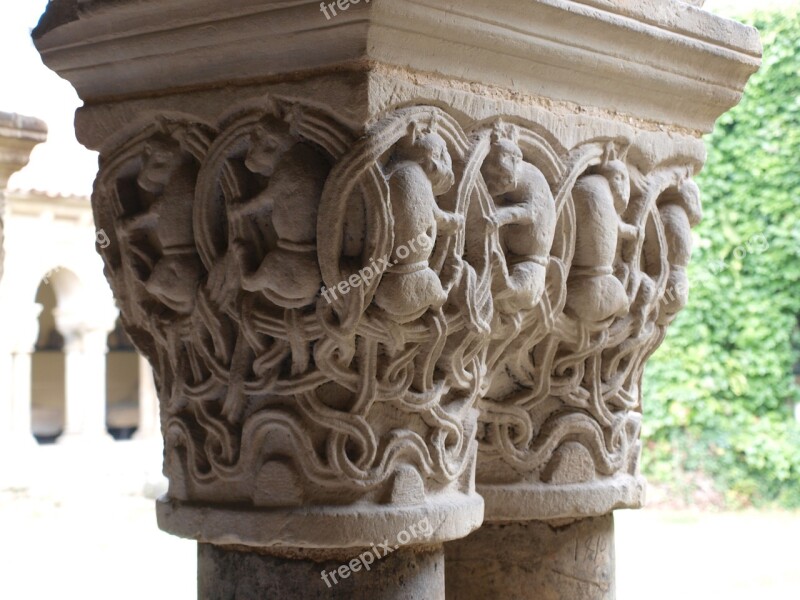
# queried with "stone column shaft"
point(16, 437)
point(377, 253)
point(6, 377)
point(18, 136)
point(533, 559)
point(21, 397)
point(408, 574)
point(85, 384)
point(15, 376)
point(85, 394)
point(149, 421)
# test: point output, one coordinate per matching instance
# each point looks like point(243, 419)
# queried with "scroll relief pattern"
point(326, 313)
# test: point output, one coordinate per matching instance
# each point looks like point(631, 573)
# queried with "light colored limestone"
point(315, 402)
point(406, 574)
point(572, 560)
point(149, 421)
point(662, 60)
point(376, 258)
point(490, 288)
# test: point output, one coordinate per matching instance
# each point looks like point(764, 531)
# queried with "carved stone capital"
point(608, 229)
point(363, 281)
point(325, 307)
point(302, 292)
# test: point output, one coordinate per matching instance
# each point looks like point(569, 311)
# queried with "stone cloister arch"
point(58, 317)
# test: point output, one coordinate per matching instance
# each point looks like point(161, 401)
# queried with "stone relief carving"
point(525, 215)
point(326, 309)
point(570, 414)
point(420, 170)
point(594, 293)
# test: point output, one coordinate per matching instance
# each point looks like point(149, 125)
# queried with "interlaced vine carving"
point(327, 309)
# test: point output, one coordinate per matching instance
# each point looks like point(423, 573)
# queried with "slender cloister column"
point(27, 318)
point(376, 250)
point(18, 136)
point(16, 435)
point(19, 340)
point(149, 420)
point(85, 350)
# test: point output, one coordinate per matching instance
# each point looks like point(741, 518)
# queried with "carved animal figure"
point(594, 294)
point(167, 180)
point(420, 171)
point(679, 213)
point(289, 273)
point(525, 217)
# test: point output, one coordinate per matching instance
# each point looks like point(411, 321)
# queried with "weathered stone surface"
point(662, 60)
point(417, 266)
point(18, 136)
point(305, 345)
point(375, 259)
point(237, 574)
point(534, 559)
point(551, 247)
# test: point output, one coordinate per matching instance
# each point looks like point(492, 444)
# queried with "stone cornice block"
point(664, 61)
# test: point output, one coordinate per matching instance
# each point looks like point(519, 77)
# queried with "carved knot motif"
point(327, 309)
